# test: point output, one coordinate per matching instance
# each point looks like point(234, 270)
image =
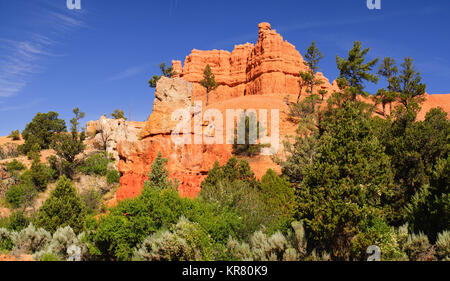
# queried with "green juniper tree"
point(250, 147)
point(165, 71)
point(39, 132)
point(388, 70)
point(158, 177)
point(354, 70)
point(209, 82)
point(118, 114)
point(408, 84)
point(342, 175)
point(63, 207)
point(308, 78)
point(68, 146)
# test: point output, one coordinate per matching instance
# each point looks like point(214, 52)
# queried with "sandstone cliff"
point(260, 76)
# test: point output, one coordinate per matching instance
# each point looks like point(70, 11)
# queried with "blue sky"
point(100, 57)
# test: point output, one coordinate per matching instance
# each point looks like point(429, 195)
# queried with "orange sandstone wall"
point(251, 76)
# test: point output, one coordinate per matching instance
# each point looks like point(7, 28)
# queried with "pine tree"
point(39, 132)
point(409, 87)
point(165, 71)
point(355, 71)
point(63, 207)
point(308, 78)
point(118, 114)
point(345, 181)
point(68, 146)
point(250, 147)
point(208, 82)
point(388, 70)
point(158, 178)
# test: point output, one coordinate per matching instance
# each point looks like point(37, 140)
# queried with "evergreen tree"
point(158, 178)
point(355, 71)
point(68, 146)
point(209, 82)
point(308, 78)
point(165, 71)
point(250, 147)
point(118, 114)
point(63, 207)
point(408, 85)
point(388, 70)
point(41, 130)
point(303, 82)
point(346, 180)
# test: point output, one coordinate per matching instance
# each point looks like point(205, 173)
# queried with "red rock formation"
point(259, 76)
point(187, 163)
point(271, 66)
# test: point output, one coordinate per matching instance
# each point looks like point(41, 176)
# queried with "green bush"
point(41, 174)
point(418, 248)
point(8, 150)
point(270, 202)
point(49, 257)
point(31, 239)
point(443, 246)
point(6, 242)
point(20, 195)
point(126, 226)
point(63, 207)
point(91, 199)
point(186, 241)
point(112, 177)
point(95, 164)
point(275, 247)
point(376, 232)
point(15, 135)
point(15, 166)
point(18, 221)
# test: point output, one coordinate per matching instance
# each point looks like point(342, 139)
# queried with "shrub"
point(6, 242)
point(95, 164)
point(187, 241)
point(15, 135)
point(41, 174)
point(63, 207)
point(276, 247)
point(279, 201)
point(15, 166)
point(163, 246)
point(8, 150)
point(91, 199)
point(270, 202)
point(30, 239)
point(113, 177)
point(376, 232)
point(443, 246)
point(418, 248)
point(49, 257)
point(62, 239)
point(114, 236)
point(18, 221)
point(126, 226)
point(21, 195)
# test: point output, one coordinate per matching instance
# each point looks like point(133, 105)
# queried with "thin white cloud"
point(22, 106)
point(129, 72)
point(22, 59)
